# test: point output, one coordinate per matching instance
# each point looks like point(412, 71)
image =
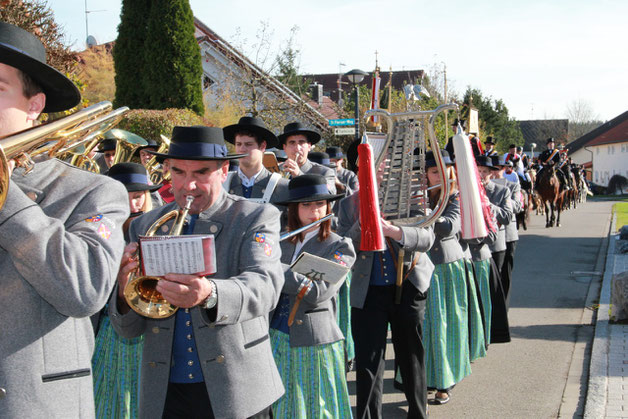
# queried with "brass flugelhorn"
point(52, 138)
point(141, 292)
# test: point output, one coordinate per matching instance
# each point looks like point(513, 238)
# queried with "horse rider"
point(551, 156)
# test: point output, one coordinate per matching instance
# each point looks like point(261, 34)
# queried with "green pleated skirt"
point(116, 372)
point(477, 338)
point(446, 326)
point(344, 317)
point(314, 379)
point(482, 270)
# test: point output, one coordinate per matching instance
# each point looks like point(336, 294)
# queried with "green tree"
point(129, 60)
point(287, 66)
point(37, 18)
point(493, 119)
point(173, 67)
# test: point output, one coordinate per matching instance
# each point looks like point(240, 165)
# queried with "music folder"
point(187, 254)
point(318, 268)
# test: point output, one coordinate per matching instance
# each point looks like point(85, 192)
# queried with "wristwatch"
point(212, 299)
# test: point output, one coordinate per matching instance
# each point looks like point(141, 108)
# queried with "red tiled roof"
point(617, 134)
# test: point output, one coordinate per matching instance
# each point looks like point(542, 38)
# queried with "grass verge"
point(621, 209)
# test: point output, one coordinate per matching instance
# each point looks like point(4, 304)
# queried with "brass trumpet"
point(53, 138)
point(140, 292)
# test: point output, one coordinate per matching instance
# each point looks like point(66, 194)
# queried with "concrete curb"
point(595, 406)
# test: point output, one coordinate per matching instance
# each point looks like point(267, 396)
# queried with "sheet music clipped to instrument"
point(188, 254)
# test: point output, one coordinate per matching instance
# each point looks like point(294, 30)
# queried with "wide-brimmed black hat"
point(297, 128)
point(334, 152)
point(497, 163)
point(197, 143)
point(550, 140)
point(430, 161)
point(458, 121)
point(22, 50)
point(485, 161)
point(108, 144)
point(255, 126)
point(133, 176)
point(309, 188)
point(150, 144)
point(489, 140)
point(320, 158)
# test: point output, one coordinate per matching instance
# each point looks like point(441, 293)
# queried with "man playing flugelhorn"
point(61, 237)
point(213, 358)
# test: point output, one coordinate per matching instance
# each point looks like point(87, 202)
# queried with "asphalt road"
point(528, 377)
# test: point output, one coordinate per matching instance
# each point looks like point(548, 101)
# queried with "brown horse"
point(548, 187)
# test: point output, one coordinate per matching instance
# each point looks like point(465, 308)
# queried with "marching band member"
point(446, 326)
point(116, 361)
point(374, 309)
point(297, 141)
point(345, 176)
point(61, 237)
point(309, 351)
point(512, 235)
point(106, 149)
point(252, 180)
point(499, 197)
point(213, 358)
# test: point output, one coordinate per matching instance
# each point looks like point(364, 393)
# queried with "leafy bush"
point(151, 123)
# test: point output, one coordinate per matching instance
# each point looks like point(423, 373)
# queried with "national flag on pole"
point(375, 95)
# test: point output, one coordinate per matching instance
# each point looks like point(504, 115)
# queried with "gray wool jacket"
point(446, 247)
point(315, 319)
point(231, 339)
point(60, 247)
point(515, 190)
point(499, 197)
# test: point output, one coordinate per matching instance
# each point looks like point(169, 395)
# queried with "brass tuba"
point(54, 138)
point(154, 169)
point(126, 145)
point(140, 292)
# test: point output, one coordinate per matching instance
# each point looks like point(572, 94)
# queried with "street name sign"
point(341, 122)
point(344, 131)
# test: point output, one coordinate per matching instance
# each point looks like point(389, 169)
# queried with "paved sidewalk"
point(607, 394)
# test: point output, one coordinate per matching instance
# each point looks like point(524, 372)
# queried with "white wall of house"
point(608, 160)
point(581, 156)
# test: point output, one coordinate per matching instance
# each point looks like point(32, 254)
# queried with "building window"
point(207, 82)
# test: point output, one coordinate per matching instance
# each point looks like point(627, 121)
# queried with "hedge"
point(148, 123)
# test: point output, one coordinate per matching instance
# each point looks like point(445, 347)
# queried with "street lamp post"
point(355, 76)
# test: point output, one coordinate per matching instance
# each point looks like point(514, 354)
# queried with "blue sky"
point(538, 56)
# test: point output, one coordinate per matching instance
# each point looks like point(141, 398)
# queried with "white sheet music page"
point(187, 254)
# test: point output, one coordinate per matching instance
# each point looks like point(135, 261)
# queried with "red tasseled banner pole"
point(372, 236)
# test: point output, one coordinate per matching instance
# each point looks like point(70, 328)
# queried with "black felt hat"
point(108, 144)
point(550, 140)
point(458, 121)
point(489, 140)
point(309, 188)
point(253, 125)
point(197, 143)
point(150, 144)
point(133, 176)
point(497, 163)
point(22, 50)
point(297, 128)
point(485, 161)
point(334, 152)
point(430, 161)
point(279, 154)
point(320, 158)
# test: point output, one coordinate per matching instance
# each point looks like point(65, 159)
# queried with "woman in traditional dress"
point(446, 327)
point(116, 361)
point(307, 342)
